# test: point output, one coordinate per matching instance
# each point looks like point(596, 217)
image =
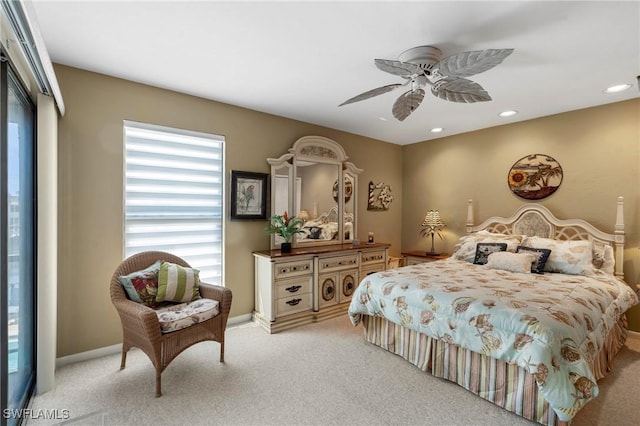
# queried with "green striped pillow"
point(177, 283)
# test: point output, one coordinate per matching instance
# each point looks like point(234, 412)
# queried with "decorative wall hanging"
point(379, 196)
point(249, 195)
point(535, 176)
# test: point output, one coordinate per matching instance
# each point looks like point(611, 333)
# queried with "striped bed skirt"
point(505, 385)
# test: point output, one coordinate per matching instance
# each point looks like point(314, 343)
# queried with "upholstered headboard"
point(537, 220)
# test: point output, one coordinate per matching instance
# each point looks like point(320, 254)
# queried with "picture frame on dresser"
point(249, 195)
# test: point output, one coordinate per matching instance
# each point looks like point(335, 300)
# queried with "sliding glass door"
point(17, 245)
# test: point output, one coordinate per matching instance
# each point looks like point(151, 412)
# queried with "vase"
point(285, 247)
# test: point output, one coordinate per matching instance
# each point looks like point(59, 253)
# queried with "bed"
point(325, 227)
point(530, 336)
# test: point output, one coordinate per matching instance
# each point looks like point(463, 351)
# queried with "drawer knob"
point(293, 288)
point(293, 302)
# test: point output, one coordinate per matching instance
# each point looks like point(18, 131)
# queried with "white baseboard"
point(634, 334)
point(117, 348)
point(85, 356)
point(240, 319)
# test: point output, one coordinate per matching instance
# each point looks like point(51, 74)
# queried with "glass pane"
point(20, 247)
point(281, 196)
point(349, 207)
point(318, 203)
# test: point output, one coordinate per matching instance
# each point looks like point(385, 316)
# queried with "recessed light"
point(617, 88)
point(437, 130)
point(382, 119)
point(508, 113)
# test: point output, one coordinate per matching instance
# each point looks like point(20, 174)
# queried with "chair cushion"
point(177, 283)
point(142, 286)
point(182, 315)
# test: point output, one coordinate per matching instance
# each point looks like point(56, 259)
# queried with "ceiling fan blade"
point(407, 103)
point(460, 90)
point(371, 93)
point(403, 69)
point(466, 64)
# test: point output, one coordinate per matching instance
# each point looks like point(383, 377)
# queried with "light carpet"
point(318, 374)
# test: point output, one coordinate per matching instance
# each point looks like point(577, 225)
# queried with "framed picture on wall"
point(249, 195)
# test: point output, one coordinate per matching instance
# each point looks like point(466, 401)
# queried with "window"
point(173, 195)
point(17, 245)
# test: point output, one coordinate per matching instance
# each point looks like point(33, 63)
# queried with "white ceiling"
point(302, 59)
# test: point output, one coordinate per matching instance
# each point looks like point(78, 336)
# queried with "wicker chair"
point(140, 325)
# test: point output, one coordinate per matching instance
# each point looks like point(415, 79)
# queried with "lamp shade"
point(431, 225)
point(432, 220)
point(303, 215)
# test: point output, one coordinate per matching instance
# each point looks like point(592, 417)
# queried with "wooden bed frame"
point(451, 362)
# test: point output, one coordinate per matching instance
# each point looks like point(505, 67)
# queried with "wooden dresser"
point(311, 284)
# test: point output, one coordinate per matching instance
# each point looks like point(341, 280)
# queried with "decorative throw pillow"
point(604, 258)
point(537, 266)
point(177, 283)
point(567, 257)
point(465, 248)
point(142, 286)
point(513, 262)
point(483, 250)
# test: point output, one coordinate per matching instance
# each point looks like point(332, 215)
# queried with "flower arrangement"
point(285, 226)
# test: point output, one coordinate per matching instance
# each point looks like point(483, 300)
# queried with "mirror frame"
point(317, 150)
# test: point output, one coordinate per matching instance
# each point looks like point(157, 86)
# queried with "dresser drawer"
point(293, 304)
point(294, 286)
point(327, 264)
point(373, 257)
point(371, 269)
point(293, 269)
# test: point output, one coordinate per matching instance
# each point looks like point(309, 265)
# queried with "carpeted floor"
point(319, 374)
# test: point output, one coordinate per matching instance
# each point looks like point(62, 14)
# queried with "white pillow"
point(513, 262)
point(465, 248)
point(567, 257)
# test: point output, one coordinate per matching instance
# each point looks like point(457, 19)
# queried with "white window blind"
point(174, 195)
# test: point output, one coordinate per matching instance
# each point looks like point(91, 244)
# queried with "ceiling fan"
point(421, 66)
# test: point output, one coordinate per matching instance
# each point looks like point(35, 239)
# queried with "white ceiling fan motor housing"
point(423, 56)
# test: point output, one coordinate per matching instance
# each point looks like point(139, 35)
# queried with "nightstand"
point(415, 257)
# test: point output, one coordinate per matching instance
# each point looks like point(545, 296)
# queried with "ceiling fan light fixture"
point(508, 113)
point(617, 88)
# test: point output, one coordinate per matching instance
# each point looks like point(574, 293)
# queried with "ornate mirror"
point(315, 181)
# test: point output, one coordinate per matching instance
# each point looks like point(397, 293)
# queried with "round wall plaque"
point(535, 176)
point(348, 190)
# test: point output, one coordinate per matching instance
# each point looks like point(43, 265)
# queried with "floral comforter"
point(552, 325)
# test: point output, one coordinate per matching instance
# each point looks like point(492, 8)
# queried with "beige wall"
point(598, 149)
point(91, 190)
